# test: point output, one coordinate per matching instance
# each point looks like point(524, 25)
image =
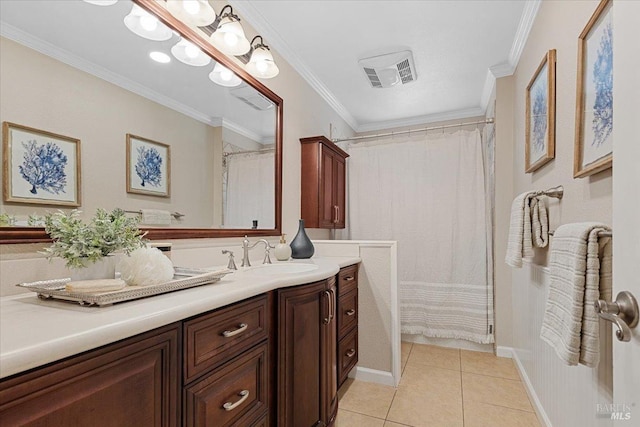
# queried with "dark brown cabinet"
point(347, 313)
point(307, 364)
point(130, 383)
point(323, 183)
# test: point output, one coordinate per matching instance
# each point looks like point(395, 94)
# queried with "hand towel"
point(155, 217)
point(580, 265)
point(528, 213)
point(93, 286)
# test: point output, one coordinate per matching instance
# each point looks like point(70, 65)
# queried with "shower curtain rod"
point(266, 150)
point(402, 132)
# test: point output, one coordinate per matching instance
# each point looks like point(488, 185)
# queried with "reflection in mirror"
point(74, 69)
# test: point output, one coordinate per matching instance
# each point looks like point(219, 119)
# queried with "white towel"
point(155, 217)
point(528, 213)
point(580, 267)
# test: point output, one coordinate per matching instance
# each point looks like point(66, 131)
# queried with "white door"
point(626, 200)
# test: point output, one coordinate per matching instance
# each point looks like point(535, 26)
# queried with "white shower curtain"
point(249, 191)
point(428, 193)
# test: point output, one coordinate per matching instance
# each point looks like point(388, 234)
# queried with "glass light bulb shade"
point(261, 64)
point(160, 57)
point(223, 76)
point(188, 53)
point(195, 12)
point(229, 38)
point(101, 2)
point(145, 25)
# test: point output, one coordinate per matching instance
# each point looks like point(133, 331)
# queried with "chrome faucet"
point(232, 263)
point(245, 249)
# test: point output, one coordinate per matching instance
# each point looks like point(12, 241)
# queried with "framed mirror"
point(74, 70)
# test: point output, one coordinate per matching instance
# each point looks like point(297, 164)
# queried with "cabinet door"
point(339, 183)
point(130, 383)
point(327, 189)
point(303, 313)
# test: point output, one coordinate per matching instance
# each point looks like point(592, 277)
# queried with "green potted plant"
point(84, 245)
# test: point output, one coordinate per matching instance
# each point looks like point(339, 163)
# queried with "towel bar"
point(601, 233)
point(555, 192)
point(176, 215)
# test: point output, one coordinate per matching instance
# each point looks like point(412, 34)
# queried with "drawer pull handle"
point(244, 395)
point(350, 312)
point(349, 278)
point(241, 328)
point(351, 353)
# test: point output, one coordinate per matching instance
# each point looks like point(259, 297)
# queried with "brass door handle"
point(351, 353)
point(350, 312)
point(327, 319)
point(241, 328)
point(244, 395)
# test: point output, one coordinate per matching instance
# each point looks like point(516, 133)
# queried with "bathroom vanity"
point(269, 350)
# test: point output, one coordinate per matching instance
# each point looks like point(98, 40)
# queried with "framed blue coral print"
point(594, 101)
point(39, 167)
point(148, 167)
point(540, 120)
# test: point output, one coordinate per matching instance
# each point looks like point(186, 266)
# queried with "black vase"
point(301, 246)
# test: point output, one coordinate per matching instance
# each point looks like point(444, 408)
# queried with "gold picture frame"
point(150, 172)
point(540, 120)
point(593, 149)
point(40, 167)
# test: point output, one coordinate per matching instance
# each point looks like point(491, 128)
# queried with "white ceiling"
point(454, 44)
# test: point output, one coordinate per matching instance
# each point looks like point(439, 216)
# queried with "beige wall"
point(565, 395)
point(43, 93)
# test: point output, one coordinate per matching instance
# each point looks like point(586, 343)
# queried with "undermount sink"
point(277, 269)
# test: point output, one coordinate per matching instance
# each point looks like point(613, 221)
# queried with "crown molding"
point(235, 127)
point(505, 69)
point(421, 120)
point(17, 35)
point(277, 42)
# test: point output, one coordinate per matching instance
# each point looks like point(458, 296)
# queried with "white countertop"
point(34, 332)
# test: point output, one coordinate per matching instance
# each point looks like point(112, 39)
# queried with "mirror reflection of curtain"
point(429, 195)
point(249, 190)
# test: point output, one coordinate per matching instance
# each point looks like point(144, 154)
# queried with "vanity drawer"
point(347, 355)
point(347, 312)
point(347, 279)
point(212, 339)
point(236, 394)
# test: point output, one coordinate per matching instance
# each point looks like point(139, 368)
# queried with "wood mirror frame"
point(34, 235)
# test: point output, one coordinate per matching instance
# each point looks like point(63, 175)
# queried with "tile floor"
point(441, 387)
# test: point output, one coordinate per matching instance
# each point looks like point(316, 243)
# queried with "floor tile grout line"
point(532, 411)
point(461, 388)
point(360, 413)
point(386, 417)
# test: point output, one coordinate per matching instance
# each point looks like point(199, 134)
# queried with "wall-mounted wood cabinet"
point(323, 178)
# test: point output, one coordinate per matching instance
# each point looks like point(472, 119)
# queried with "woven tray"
point(183, 278)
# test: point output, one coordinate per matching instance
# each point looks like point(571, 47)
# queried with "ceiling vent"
point(390, 69)
point(252, 97)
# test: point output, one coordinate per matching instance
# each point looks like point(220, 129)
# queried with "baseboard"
point(537, 405)
point(373, 376)
point(504, 352)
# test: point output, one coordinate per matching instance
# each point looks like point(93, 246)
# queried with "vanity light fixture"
point(101, 2)
point(160, 57)
point(145, 25)
point(228, 36)
point(223, 76)
point(190, 54)
point(261, 63)
point(195, 12)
